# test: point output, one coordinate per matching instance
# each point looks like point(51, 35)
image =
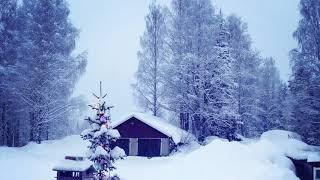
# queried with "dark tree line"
point(199, 66)
point(38, 71)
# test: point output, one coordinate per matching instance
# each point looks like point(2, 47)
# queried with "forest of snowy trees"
point(196, 65)
point(38, 71)
point(199, 66)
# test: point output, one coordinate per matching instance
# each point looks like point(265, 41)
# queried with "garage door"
point(149, 147)
point(124, 144)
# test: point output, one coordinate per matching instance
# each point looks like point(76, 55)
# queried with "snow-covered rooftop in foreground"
point(178, 135)
point(71, 165)
point(290, 144)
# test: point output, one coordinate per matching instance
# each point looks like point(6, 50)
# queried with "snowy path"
point(219, 159)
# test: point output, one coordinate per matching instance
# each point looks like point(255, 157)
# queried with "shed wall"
point(140, 139)
point(134, 128)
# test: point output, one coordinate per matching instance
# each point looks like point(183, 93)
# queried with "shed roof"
point(314, 157)
point(178, 135)
point(72, 165)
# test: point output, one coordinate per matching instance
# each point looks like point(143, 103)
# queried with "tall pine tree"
point(305, 80)
point(269, 86)
point(9, 74)
point(48, 41)
point(223, 101)
point(246, 73)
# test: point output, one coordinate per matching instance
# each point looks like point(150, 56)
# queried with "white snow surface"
point(280, 135)
point(86, 132)
point(262, 159)
point(113, 133)
point(70, 165)
point(35, 161)
point(117, 153)
point(178, 135)
point(104, 130)
point(100, 152)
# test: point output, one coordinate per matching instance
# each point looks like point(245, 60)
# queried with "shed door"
point(123, 143)
point(316, 173)
point(164, 150)
point(149, 147)
point(133, 147)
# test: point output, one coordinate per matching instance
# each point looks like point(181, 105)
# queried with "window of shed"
point(316, 173)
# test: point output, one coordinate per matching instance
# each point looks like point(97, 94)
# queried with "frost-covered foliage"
point(269, 87)
point(200, 82)
point(246, 74)
point(212, 80)
point(37, 71)
point(149, 85)
point(9, 81)
point(102, 150)
point(220, 94)
point(305, 81)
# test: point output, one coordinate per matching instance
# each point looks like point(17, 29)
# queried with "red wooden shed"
point(146, 135)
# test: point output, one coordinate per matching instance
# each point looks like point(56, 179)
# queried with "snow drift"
point(263, 159)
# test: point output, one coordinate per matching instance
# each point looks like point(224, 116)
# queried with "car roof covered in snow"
point(72, 165)
point(292, 145)
point(178, 135)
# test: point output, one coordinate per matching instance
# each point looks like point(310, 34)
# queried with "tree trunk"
point(47, 133)
point(5, 125)
point(2, 130)
point(32, 127)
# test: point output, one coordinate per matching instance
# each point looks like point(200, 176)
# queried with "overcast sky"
point(110, 30)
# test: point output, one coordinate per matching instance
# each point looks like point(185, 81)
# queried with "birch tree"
point(149, 83)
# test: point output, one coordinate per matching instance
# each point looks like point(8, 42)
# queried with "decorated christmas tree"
point(102, 150)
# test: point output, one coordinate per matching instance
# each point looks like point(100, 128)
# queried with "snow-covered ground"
point(262, 159)
point(34, 161)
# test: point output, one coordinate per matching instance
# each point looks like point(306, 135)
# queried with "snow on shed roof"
point(314, 157)
point(178, 135)
point(72, 165)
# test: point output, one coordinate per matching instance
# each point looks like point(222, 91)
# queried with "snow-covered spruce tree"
point(199, 82)
point(176, 79)
point(269, 92)
point(285, 102)
point(305, 81)
point(102, 150)
point(148, 87)
point(246, 73)
point(10, 115)
point(224, 114)
point(191, 37)
point(49, 65)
